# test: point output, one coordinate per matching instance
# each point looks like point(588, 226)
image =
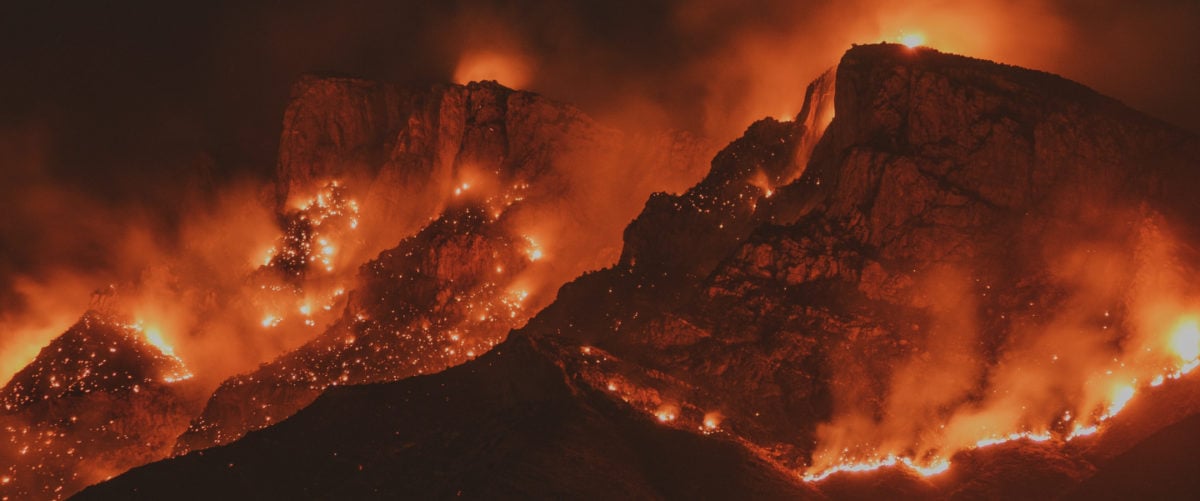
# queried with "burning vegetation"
point(888, 287)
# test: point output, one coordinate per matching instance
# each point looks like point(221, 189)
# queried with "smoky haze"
point(118, 121)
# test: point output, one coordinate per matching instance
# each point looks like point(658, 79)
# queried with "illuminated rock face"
point(957, 225)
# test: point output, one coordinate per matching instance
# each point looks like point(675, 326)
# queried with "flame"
point(1033, 437)
point(1185, 340)
point(911, 40)
point(1121, 395)
point(666, 413)
point(760, 181)
point(534, 251)
point(712, 421)
point(928, 469)
point(155, 338)
point(508, 69)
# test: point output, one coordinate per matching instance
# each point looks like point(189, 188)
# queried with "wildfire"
point(1121, 395)
point(911, 40)
point(1033, 437)
point(509, 69)
point(666, 413)
point(155, 338)
point(712, 422)
point(760, 181)
point(1183, 342)
point(534, 251)
point(315, 227)
point(934, 467)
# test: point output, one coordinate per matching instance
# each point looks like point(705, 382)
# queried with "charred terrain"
point(945, 278)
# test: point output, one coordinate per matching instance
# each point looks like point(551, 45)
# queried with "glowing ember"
point(154, 337)
point(712, 421)
point(535, 252)
point(509, 69)
point(270, 321)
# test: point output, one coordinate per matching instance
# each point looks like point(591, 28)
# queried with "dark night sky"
point(129, 103)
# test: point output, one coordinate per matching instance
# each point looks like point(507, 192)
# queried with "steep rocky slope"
point(958, 224)
point(500, 197)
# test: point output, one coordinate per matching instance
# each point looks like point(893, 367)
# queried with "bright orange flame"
point(535, 251)
point(1185, 340)
point(712, 420)
point(1122, 393)
point(508, 69)
point(911, 40)
point(934, 467)
point(666, 413)
point(155, 338)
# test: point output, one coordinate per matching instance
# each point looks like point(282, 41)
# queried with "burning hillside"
point(105, 396)
point(946, 278)
point(495, 198)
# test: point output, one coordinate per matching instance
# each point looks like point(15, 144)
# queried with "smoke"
point(161, 264)
point(121, 131)
point(1103, 325)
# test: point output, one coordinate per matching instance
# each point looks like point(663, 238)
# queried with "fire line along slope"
point(496, 198)
point(976, 269)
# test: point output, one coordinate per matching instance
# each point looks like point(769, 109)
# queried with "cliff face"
point(404, 150)
point(962, 233)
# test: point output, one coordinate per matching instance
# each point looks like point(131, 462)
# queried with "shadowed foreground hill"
point(513, 424)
